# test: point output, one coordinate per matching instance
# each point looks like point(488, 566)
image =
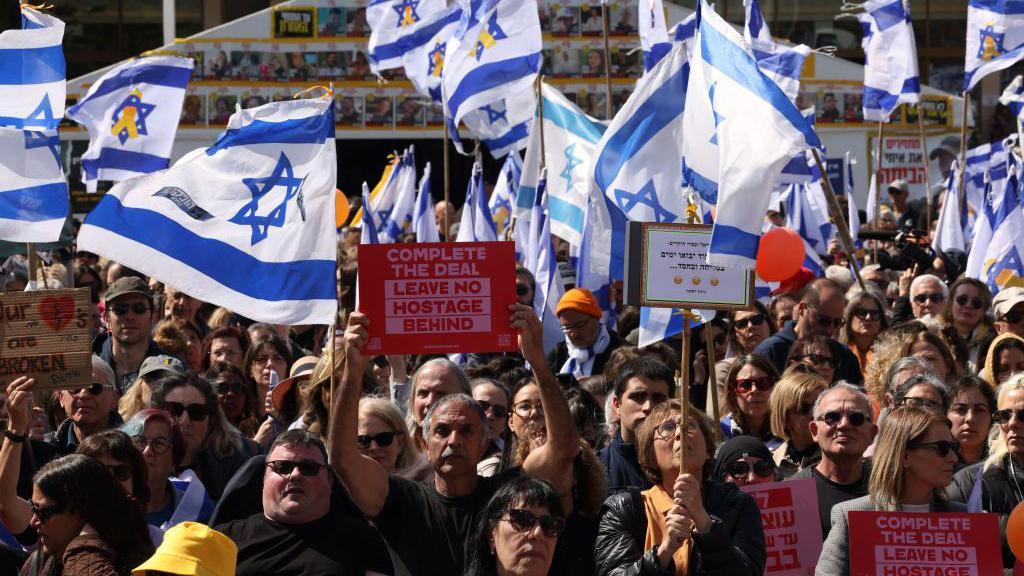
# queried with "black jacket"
point(559, 355)
point(998, 494)
point(734, 546)
point(622, 466)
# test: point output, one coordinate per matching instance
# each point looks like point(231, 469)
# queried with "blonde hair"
point(997, 448)
point(899, 429)
point(133, 400)
point(388, 413)
point(787, 395)
point(219, 318)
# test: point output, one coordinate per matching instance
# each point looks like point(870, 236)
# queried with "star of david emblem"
point(407, 15)
point(991, 46)
point(489, 36)
point(37, 139)
point(571, 162)
point(41, 117)
point(718, 117)
point(435, 60)
point(647, 196)
point(282, 175)
point(129, 119)
point(494, 115)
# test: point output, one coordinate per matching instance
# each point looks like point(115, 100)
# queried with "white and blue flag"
point(852, 216)
point(424, 223)
point(503, 197)
point(1013, 97)
point(657, 324)
point(33, 192)
point(1007, 245)
point(755, 29)
point(985, 161)
point(247, 223)
point(132, 115)
point(981, 235)
point(781, 63)
point(33, 85)
point(368, 231)
point(890, 69)
point(995, 38)
point(503, 125)
point(398, 178)
point(422, 50)
point(757, 130)
point(476, 224)
point(398, 218)
point(949, 232)
point(392, 20)
point(685, 31)
point(653, 32)
point(540, 261)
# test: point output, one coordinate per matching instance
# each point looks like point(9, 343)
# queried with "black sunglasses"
point(94, 389)
point(492, 410)
point(524, 521)
point(384, 439)
point(943, 447)
point(306, 467)
point(834, 417)
point(45, 514)
point(1005, 415)
point(122, 472)
point(740, 468)
point(976, 302)
point(755, 320)
point(936, 297)
point(865, 313)
point(816, 359)
point(121, 309)
point(745, 385)
point(522, 290)
point(196, 412)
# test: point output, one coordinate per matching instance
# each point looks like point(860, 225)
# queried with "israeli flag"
point(871, 208)
point(1004, 251)
point(33, 86)
point(476, 224)
point(33, 192)
point(949, 232)
point(805, 215)
point(368, 232)
point(633, 160)
point(399, 216)
point(540, 261)
point(653, 32)
point(392, 20)
point(503, 197)
point(685, 31)
point(1013, 97)
point(995, 38)
point(247, 223)
point(503, 125)
point(890, 70)
point(132, 115)
point(755, 31)
point(757, 130)
point(981, 235)
point(400, 174)
point(782, 64)
point(852, 216)
point(657, 324)
point(985, 161)
point(422, 50)
point(496, 52)
point(424, 223)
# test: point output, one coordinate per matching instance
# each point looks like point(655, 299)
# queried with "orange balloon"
point(779, 255)
point(341, 208)
point(1015, 531)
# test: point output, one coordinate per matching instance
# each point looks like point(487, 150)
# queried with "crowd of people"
point(206, 443)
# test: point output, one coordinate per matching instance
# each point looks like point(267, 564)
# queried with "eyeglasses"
point(158, 445)
point(866, 313)
point(524, 408)
point(834, 417)
point(668, 429)
point(755, 320)
point(94, 389)
point(937, 297)
point(816, 359)
point(740, 468)
point(121, 308)
point(196, 412)
point(122, 472)
point(306, 467)
point(826, 321)
point(493, 409)
point(384, 439)
point(524, 521)
point(1005, 415)
point(575, 326)
point(1013, 317)
point(915, 402)
point(943, 447)
point(44, 514)
point(223, 387)
point(745, 385)
point(976, 302)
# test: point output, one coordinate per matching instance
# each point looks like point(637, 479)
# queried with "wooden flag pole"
point(963, 148)
point(837, 217)
point(924, 162)
point(709, 342)
point(32, 264)
point(447, 202)
point(606, 19)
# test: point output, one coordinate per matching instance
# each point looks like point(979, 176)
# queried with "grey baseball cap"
point(162, 363)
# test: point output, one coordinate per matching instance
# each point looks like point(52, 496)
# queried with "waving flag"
point(949, 232)
point(981, 235)
point(423, 221)
point(503, 197)
point(781, 63)
point(397, 178)
point(132, 115)
point(476, 224)
point(685, 31)
point(247, 223)
point(399, 216)
point(503, 125)
point(657, 324)
point(392, 20)
point(32, 73)
point(540, 261)
point(757, 130)
point(653, 32)
point(852, 216)
point(890, 70)
point(995, 38)
point(985, 161)
point(1007, 245)
point(1013, 97)
point(368, 233)
point(495, 53)
point(33, 192)
point(755, 32)
point(422, 50)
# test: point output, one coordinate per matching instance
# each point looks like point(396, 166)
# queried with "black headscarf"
point(734, 449)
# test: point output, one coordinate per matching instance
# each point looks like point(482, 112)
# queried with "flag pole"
point(837, 216)
point(877, 216)
point(924, 162)
point(605, 19)
point(963, 148)
point(447, 225)
point(709, 343)
point(540, 118)
point(32, 258)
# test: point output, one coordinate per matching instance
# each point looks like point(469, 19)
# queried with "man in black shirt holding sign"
point(428, 524)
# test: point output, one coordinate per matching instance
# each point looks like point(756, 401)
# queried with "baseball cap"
point(128, 285)
point(901, 185)
point(191, 548)
point(949, 145)
point(301, 370)
point(162, 363)
point(1006, 299)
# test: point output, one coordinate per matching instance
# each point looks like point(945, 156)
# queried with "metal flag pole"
point(877, 216)
point(924, 162)
point(447, 225)
point(605, 23)
point(963, 148)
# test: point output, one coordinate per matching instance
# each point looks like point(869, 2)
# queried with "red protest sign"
point(792, 529)
point(925, 544)
point(438, 298)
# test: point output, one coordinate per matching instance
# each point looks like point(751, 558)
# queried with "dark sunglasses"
point(196, 412)
point(866, 313)
point(1005, 415)
point(45, 514)
point(763, 383)
point(825, 321)
point(755, 320)
point(740, 468)
point(306, 467)
point(1013, 317)
point(976, 302)
point(492, 410)
point(943, 447)
point(384, 439)
point(121, 309)
point(158, 445)
point(936, 297)
point(833, 418)
point(816, 359)
point(94, 389)
point(524, 521)
point(522, 290)
point(226, 386)
point(122, 472)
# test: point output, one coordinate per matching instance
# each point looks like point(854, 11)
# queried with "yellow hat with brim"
point(192, 549)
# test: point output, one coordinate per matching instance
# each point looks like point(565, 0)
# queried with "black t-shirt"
point(831, 493)
point(428, 530)
point(335, 545)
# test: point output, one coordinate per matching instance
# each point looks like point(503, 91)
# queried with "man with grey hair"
point(919, 296)
point(90, 409)
point(843, 430)
point(428, 524)
point(434, 379)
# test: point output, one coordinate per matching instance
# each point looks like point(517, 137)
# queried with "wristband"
point(10, 435)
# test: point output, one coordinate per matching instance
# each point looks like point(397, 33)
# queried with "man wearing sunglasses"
point(843, 430)
point(820, 312)
point(304, 527)
point(90, 409)
point(129, 315)
point(1008, 306)
point(428, 524)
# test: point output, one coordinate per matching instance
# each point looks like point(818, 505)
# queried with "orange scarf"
point(657, 503)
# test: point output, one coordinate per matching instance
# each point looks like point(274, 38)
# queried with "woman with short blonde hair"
point(792, 407)
point(385, 412)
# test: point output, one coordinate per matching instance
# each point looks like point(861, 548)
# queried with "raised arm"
point(15, 512)
point(553, 460)
point(365, 479)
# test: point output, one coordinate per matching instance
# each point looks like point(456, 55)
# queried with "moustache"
point(450, 451)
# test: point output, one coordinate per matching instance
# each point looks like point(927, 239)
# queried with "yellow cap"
point(193, 549)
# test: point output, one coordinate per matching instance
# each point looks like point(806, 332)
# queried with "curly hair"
point(887, 350)
point(588, 492)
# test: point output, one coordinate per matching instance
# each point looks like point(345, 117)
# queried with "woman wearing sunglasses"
point(792, 408)
point(518, 530)
point(747, 329)
point(819, 353)
point(748, 387)
point(744, 460)
point(969, 303)
point(913, 464)
point(1005, 357)
point(686, 523)
point(236, 395)
point(864, 319)
point(214, 450)
point(383, 436)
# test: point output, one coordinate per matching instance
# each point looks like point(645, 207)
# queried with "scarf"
point(657, 503)
point(581, 360)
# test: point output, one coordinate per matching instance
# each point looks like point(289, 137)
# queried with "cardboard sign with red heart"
point(46, 335)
